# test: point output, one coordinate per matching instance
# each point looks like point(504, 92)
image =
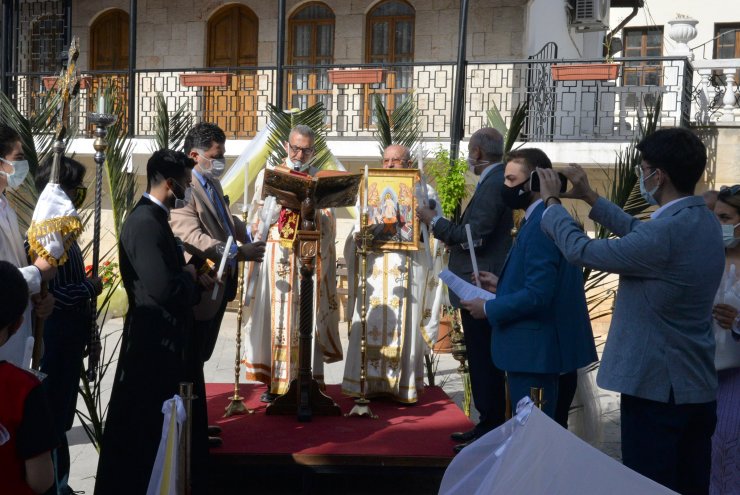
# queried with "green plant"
point(400, 127)
point(449, 179)
point(281, 123)
point(513, 130)
point(170, 130)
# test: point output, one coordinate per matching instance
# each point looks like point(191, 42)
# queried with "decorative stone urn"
point(682, 29)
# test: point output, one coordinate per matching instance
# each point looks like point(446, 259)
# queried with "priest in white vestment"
point(13, 171)
point(272, 318)
point(402, 303)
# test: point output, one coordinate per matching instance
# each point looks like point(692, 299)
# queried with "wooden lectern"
point(298, 191)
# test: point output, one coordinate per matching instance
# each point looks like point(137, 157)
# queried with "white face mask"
point(728, 235)
point(18, 175)
point(474, 164)
point(648, 196)
point(186, 197)
point(217, 166)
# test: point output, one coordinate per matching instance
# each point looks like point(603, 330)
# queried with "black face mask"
point(516, 197)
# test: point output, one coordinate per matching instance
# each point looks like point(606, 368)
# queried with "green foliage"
point(170, 130)
point(281, 123)
point(449, 179)
point(510, 133)
point(401, 127)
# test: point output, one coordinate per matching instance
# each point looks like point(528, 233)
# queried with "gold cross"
point(69, 84)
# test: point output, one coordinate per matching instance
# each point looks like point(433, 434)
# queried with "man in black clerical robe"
point(153, 360)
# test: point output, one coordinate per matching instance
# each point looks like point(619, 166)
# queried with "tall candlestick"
point(364, 196)
point(101, 103)
point(245, 207)
point(471, 247)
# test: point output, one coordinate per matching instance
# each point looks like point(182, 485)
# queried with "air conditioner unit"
point(591, 15)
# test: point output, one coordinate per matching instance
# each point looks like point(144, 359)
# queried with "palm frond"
point(512, 131)
point(401, 127)
point(281, 123)
point(382, 124)
point(170, 130)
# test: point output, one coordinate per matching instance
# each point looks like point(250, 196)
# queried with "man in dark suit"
point(204, 225)
point(660, 350)
point(539, 319)
point(490, 224)
point(161, 291)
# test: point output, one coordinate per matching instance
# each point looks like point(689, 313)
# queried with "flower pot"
point(206, 79)
point(356, 76)
point(444, 341)
point(50, 81)
point(585, 72)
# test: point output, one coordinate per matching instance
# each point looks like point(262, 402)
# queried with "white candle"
point(420, 158)
point(364, 196)
point(472, 253)
point(245, 207)
point(101, 103)
point(221, 267)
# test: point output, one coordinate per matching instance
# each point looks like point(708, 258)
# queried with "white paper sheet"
point(464, 290)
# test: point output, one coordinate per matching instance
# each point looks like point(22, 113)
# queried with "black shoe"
point(457, 448)
point(464, 436)
point(214, 431)
point(214, 442)
point(268, 397)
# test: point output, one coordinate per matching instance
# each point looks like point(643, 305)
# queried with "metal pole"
point(67, 22)
point(5, 46)
point(279, 77)
point(458, 97)
point(132, 69)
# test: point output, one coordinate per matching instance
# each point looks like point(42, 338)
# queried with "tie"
point(219, 208)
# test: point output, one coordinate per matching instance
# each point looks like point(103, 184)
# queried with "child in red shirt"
point(26, 434)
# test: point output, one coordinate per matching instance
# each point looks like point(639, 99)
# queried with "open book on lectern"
point(328, 188)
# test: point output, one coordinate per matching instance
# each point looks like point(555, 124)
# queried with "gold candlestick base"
point(361, 409)
point(236, 407)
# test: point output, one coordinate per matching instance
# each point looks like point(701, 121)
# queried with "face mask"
point(728, 235)
point(18, 175)
point(473, 164)
point(516, 197)
point(80, 195)
point(216, 170)
point(648, 196)
point(186, 197)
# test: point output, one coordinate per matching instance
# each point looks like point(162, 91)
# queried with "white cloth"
point(531, 453)
point(403, 301)
point(727, 350)
point(53, 204)
point(12, 251)
point(272, 319)
point(164, 473)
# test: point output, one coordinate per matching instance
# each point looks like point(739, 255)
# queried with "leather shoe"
point(457, 448)
point(268, 397)
point(214, 442)
point(464, 436)
point(214, 431)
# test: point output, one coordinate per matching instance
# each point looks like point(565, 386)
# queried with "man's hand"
point(190, 269)
point(252, 251)
point(43, 305)
point(425, 214)
point(475, 308)
point(208, 280)
point(488, 281)
point(725, 315)
point(550, 184)
point(97, 284)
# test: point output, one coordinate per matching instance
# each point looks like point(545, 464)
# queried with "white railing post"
point(728, 100)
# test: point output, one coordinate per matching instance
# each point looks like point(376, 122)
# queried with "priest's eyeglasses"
point(306, 151)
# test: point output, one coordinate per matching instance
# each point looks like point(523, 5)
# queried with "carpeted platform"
point(403, 435)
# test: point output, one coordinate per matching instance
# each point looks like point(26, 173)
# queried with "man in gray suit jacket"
point(660, 349)
point(490, 224)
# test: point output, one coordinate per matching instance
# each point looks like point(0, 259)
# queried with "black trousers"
point(669, 443)
point(487, 381)
point(66, 334)
point(566, 391)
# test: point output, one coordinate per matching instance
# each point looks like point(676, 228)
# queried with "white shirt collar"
point(488, 170)
point(660, 210)
point(531, 208)
point(157, 202)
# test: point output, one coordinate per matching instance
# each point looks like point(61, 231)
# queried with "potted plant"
point(606, 71)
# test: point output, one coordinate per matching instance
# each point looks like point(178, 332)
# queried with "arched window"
point(109, 41)
point(311, 42)
point(390, 40)
point(231, 41)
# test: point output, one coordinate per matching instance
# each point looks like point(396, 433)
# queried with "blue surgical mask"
point(18, 175)
point(648, 196)
point(728, 235)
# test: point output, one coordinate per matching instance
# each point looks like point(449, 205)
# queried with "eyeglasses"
point(306, 151)
point(638, 170)
point(727, 191)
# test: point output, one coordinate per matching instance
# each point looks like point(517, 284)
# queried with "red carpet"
point(415, 435)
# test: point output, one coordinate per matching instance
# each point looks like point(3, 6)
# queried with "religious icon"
point(391, 205)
